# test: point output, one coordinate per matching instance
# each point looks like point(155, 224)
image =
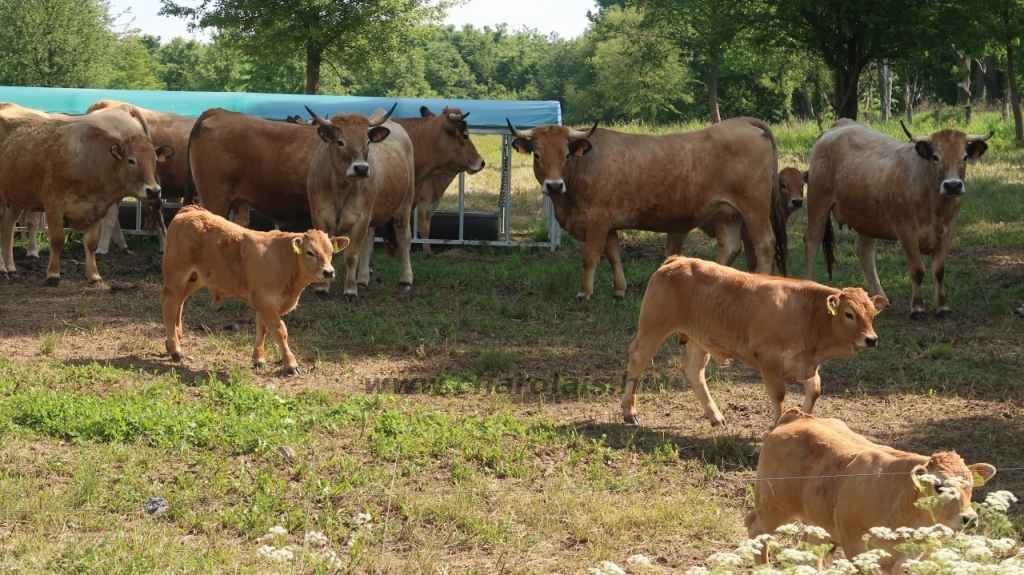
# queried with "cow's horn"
point(376, 122)
point(580, 134)
point(316, 118)
point(913, 138)
point(457, 117)
point(981, 137)
point(519, 133)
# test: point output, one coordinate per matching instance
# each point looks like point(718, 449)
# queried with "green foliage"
point(134, 66)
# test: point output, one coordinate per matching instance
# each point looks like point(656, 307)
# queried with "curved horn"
point(912, 137)
point(317, 119)
point(376, 122)
point(456, 117)
point(981, 137)
point(579, 134)
point(518, 133)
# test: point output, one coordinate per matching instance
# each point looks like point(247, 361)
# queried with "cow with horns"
point(883, 188)
point(600, 181)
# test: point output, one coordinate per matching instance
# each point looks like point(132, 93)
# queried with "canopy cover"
point(484, 114)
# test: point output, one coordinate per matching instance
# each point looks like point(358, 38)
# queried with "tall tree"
point(350, 32)
point(54, 43)
point(848, 34)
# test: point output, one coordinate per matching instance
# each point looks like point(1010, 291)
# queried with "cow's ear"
point(880, 302)
point(462, 131)
point(976, 149)
point(378, 134)
point(117, 150)
point(297, 245)
point(340, 243)
point(806, 175)
point(915, 476)
point(426, 113)
point(522, 145)
point(982, 471)
point(833, 304)
point(579, 147)
point(923, 149)
point(164, 153)
point(326, 134)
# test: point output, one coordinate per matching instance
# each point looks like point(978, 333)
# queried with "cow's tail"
point(828, 245)
point(390, 239)
point(778, 208)
point(190, 180)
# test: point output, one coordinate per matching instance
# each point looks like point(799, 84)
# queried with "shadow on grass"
point(166, 367)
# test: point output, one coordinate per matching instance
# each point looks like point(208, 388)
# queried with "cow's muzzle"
point(328, 274)
point(871, 341)
point(953, 187)
point(477, 168)
point(796, 202)
point(969, 520)
point(552, 187)
point(152, 192)
point(361, 170)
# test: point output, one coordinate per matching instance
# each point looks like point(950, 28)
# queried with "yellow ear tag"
point(337, 248)
point(832, 308)
point(978, 479)
point(298, 247)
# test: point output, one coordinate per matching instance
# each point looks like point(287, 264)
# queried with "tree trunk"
point(716, 116)
point(908, 103)
point(847, 78)
point(867, 100)
point(1011, 74)
point(313, 60)
point(885, 89)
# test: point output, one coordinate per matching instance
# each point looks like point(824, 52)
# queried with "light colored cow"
point(267, 270)
point(824, 474)
point(785, 328)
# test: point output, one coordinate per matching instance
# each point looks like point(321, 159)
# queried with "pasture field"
point(506, 453)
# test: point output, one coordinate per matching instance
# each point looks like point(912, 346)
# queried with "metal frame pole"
point(462, 206)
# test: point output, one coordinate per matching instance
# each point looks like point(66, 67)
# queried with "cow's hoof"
point(7, 276)
point(322, 294)
point(718, 423)
point(175, 357)
point(631, 420)
point(96, 283)
point(917, 316)
point(582, 298)
point(944, 314)
point(51, 282)
point(1019, 312)
point(259, 364)
point(293, 371)
point(363, 285)
point(404, 287)
point(13, 275)
point(428, 255)
point(32, 257)
point(350, 298)
point(619, 297)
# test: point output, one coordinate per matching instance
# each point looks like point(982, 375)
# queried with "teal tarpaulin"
point(485, 114)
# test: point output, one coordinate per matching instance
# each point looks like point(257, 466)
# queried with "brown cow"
point(602, 181)
point(887, 189)
point(75, 171)
point(791, 198)
point(267, 270)
point(824, 474)
point(13, 116)
point(165, 130)
point(785, 328)
point(363, 175)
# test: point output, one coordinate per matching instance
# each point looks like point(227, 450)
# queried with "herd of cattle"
point(350, 173)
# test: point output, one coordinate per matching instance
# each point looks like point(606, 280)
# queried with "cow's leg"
point(172, 302)
point(727, 232)
point(812, 391)
point(648, 339)
point(757, 525)
point(674, 243)
point(817, 218)
point(425, 212)
point(110, 228)
point(258, 357)
point(32, 224)
point(242, 215)
point(7, 223)
point(866, 254)
point(916, 265)
point(267, 312)
point(404, 232)
point(614, 255)
point(360, 232)
point(942, 309)
point(775, 385)
point(90, 239)
point(55, 225)
point(694, 363)
point(749, 252)
point(365, 257)
point(597, 235)
point(761, 235)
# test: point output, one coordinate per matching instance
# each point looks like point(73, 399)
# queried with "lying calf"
point(267, 270)
point(785, 328)
point(877, 487)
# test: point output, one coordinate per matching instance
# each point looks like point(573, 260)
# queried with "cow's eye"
point(340, 143)
point(310, 253)
point(131, 161)
point(935, 157)
point(849, 315)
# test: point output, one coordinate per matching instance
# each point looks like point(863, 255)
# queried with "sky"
point(568, 18)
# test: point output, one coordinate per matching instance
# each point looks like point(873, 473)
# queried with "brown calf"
point(267, 270)
point(824, 474)
point(784, 328)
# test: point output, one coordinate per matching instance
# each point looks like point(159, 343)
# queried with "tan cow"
point(363, 175)
point(602, 181)
point(824, 474)
point(75, 170)
point(887, 189)
point(165, 130)
point(13, 116)
point(791, 199)
point(784, 328)
point(267, 270)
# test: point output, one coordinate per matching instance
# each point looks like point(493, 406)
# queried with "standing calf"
point(785, 328)
point(267, 270)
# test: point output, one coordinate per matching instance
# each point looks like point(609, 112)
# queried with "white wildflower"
point(697, 571)
point(929, 479)
point(843, 566)
point(266, 551)
point(948, 494)
point(944, 555)
point(361, 518)
point(1000, 500)
point(730, 559)
point(959, 482)
point(796, 556)
point(288, 421)
point(883, 533)
point(333, 562)
point(905, 532)
point(815, 531)
point(594, 571)
point(277, 530)
point(749, 548)
point(867, 562)
point(316, 539)
point(282, 555)
point(1001, 545)
point(788, 529)
point(638, 559)
point(802, 570)
point(978, 553)
point(609, 568)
